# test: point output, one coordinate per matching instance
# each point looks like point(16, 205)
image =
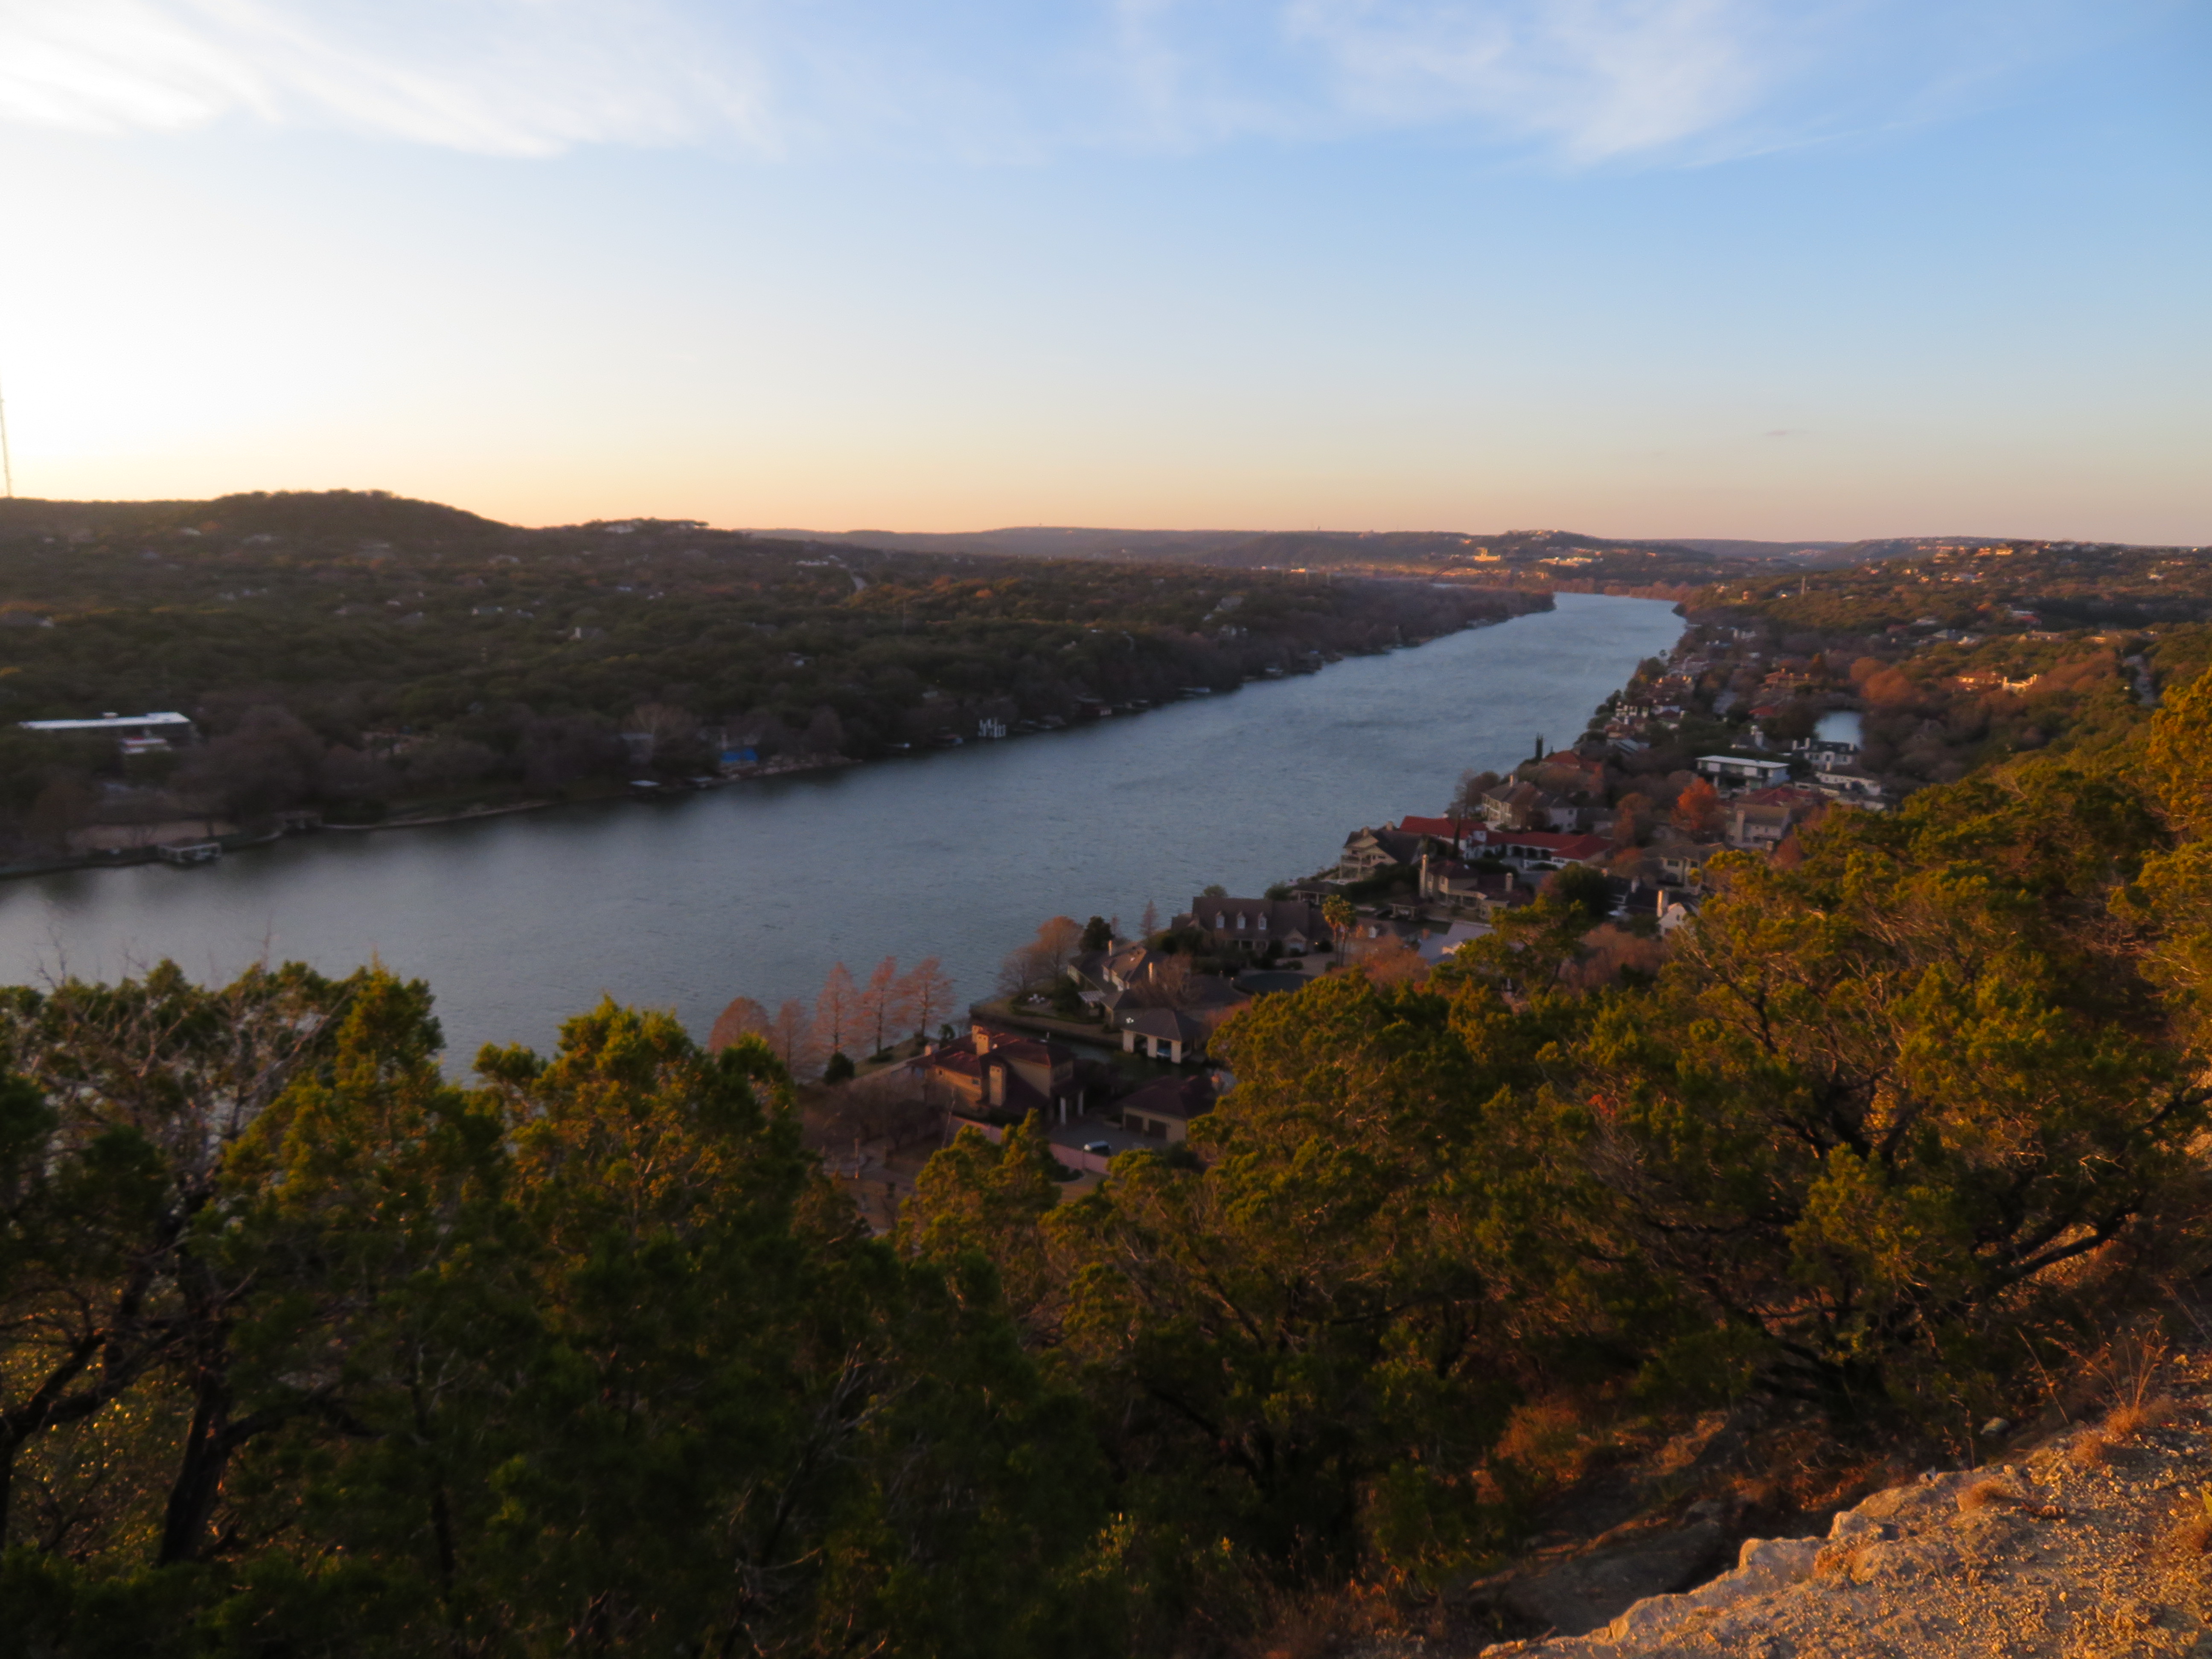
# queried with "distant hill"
point(348, 521)
point(1038, 542)
point(307, 513)
point(1725, 549)
point(363, 655)
point(1563, 558)
point(1315, 550)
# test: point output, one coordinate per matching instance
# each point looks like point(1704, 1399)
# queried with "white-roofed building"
point(136, 732)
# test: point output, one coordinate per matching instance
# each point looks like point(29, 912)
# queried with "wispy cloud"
point(1598, 78)
point(517, 77)
point(1588, 81)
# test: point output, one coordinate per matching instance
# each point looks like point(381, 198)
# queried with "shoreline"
point(134, 857)
point(449, 818)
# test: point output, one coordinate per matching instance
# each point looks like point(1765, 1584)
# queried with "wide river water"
point(756, 888)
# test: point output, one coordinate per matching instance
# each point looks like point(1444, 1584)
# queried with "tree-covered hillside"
point(361, 652)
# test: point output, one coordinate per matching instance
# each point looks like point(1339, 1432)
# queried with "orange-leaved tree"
point(743, 1017)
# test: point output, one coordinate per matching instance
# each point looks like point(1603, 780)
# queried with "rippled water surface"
point(756, 888)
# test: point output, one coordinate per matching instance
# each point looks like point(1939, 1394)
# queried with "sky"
point(1772, 269)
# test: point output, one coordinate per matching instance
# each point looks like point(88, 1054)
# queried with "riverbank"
point(468, 816)
point(658, 790)
point(126, 858)
point(522, 920)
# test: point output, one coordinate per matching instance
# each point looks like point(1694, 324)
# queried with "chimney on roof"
point(983, 1040)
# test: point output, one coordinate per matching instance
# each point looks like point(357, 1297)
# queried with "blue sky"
point(1646, 267)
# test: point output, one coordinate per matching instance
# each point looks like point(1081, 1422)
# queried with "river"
point(756, 888)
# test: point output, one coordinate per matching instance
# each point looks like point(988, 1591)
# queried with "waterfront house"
point(1738, 769)
point(991, 1075)
point(1252, 925)
point(1542, 849)
point(1514, 804)
point(1848, 783)
point(1127, 965)
point(1131, 976)
point(1523, 805)
point(1453, 832)
point(1366, 852)
point(1830, 751)
point(137, 734)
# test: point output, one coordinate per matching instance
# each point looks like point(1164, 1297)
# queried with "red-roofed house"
point(1539, 848)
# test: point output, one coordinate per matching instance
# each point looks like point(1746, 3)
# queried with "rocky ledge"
point(2092, 1543)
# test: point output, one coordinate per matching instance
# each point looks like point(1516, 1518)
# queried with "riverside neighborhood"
point(1740, 740)
point(1293, 829)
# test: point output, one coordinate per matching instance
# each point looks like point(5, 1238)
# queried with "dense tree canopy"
point(325, 1354)
point(357, 653)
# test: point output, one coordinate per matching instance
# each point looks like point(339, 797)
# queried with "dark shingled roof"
point(1185, 1098)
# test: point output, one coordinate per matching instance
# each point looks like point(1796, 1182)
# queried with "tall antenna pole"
point(7, 464)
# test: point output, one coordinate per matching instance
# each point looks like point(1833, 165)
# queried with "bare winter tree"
point(929, 994)
point(889, 1106)
point(1039, 965)
point(883, 1004)
point(1057, 944)
point(1165, 983)
point(1023, 973)
point(791, 1034)
point(271, 759)
point(836, 1010)
point(1466, 799)
point(669, 726)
